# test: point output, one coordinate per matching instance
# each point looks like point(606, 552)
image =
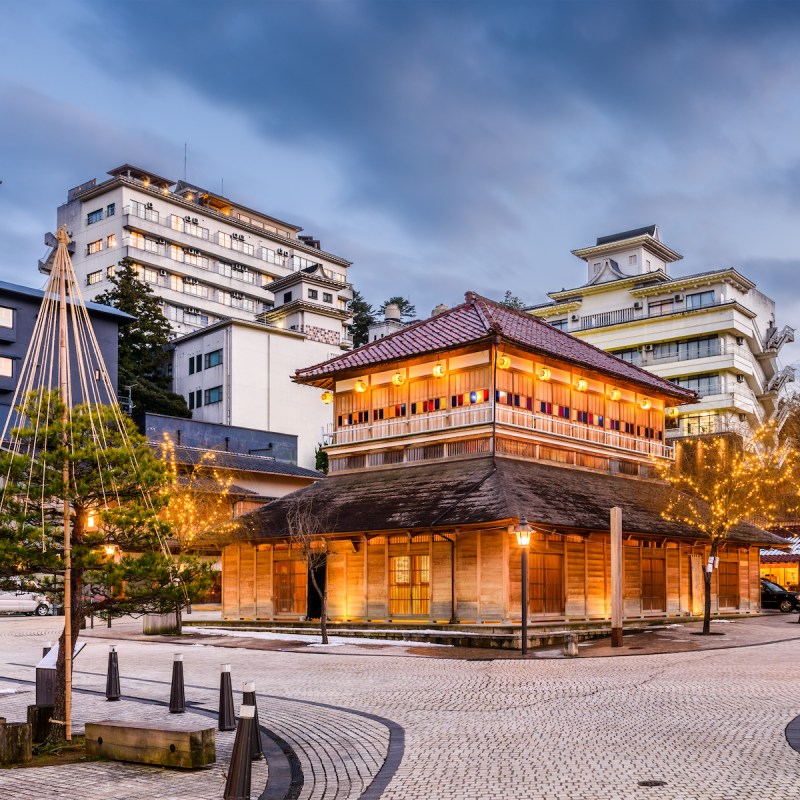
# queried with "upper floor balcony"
point(522, 423)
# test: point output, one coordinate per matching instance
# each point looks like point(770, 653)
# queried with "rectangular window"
point(632, 355)
point(110, 272)
point(631, 260)
point(700, 299)
point(213, 359)
point(546, 581)
point(6, 367)
point(6, 317)
point(191, 401)
point(94, 277)
point(705, 384)
point(191, 365)
point(661, 307)
point(198, 398)
point(111, 241)
point(198, 362)
point(327, 297)
point(290, 580)
point(287, 297)
point(313, 294)
point(94, 247)
point(409, 585)
point(559, 324)
point(213, 395)
point(728, 579)
point(654, 582)
point(94, 216)
point(111, 209)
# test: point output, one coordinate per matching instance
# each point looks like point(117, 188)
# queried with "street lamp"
point(523, 531)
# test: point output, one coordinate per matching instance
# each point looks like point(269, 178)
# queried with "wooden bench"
point(145, 743)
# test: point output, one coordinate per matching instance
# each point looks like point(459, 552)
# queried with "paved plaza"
point(369, 721)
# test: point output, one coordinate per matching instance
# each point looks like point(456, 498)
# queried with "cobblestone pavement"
point(709, 724)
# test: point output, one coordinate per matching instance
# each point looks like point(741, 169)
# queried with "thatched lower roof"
point(480, 491)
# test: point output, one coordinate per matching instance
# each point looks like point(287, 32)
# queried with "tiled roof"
point(481, 491)
point(776, 556)
point(479, 319)
point(650, 230)
point(243, 462)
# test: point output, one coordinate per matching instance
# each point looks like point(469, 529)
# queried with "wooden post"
point(617, 577)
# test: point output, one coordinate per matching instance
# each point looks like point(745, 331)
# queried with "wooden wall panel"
point(441, 572)
point(467, 576)
point(755, 579)
point(337, 585)
point(673, 581)
point(492, 567)
point(378, 582)
point(576, 579)
point(596, 604)
point(230, 580)
point(247, 581)
point(631, 592)
point(264, 607)
point(514, 610)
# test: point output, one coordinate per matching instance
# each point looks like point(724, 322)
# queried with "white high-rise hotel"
point(207, 257)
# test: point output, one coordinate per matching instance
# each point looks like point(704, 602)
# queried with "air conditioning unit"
point(237, 295)
point(740, 340)
point(742, 417)
point(648, 348)
point(740, 379)
point(187, 219)
point(161, 241)
point(678, 298)
point(637, 305)
point(163, 273)
point(575, 318)
point(149, 206)
point(194, 220)
point(192, 310)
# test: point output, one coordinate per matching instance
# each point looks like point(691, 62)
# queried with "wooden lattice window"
point(654, 582)
point(409, 585)
point(290, 582)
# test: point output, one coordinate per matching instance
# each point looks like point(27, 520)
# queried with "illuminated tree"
point(119, 559)
point(720, 481)
point(197, 499)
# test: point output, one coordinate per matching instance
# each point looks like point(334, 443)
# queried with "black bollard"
point(46, 649)
point(177, 698)
point(249, 699)
point(237, 785)
point(227, 718)
point(112, 676)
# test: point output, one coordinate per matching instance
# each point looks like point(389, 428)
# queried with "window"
point(560, 324)
point(409, 585)
point(631, 355)
point(6, 317)
point(546, 581)
point(707, 383)
point(6, 367)
point(191, 365)
point(94, 216)
point(198, 398)
point(661, 307)
point(213, 359)
point(654, 581)
point(700, 299)
point(632, 260)
point(94, 247)
point(647, 263)
point(290, 579)
point(111, 209)
point(327, 297)
point(94, 277)
point(287, 297)
point(313, 294)
point(213, 395)
point(198, 362)
point(191, 401)
point(111, 241)
point(110, 271)
point(596, 267)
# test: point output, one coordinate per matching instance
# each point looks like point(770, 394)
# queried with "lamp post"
point(523, 531)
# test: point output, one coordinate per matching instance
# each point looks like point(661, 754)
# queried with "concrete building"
point(235, 372)
point(19, 307)
point(449, 432)
point(207, 257)
point(711, 332)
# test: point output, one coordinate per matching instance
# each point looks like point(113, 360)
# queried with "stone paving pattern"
point(710, 724)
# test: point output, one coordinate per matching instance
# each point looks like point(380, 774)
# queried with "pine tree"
point(407, 309)
point(363, 317)
point(143, 354)
point(512, 301)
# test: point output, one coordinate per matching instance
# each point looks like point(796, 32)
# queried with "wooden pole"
point(63, 376)
point(616, 577)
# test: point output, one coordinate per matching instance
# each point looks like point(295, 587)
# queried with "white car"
point(24, 603)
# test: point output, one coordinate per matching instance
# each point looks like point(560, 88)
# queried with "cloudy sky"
point(441, 145)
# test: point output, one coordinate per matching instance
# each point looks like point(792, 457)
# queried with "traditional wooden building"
point(445, 434)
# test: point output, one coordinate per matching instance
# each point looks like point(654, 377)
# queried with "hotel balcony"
point(542, 428)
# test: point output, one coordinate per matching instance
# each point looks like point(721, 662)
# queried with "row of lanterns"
point(503, 362)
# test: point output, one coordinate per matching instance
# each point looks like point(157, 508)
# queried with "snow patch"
point(311, 640)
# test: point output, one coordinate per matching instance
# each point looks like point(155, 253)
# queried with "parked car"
point(774, 596)
point(24, 603)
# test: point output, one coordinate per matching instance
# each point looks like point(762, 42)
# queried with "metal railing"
point(605, 318)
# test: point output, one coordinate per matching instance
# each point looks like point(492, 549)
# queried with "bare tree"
point(305, 530)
